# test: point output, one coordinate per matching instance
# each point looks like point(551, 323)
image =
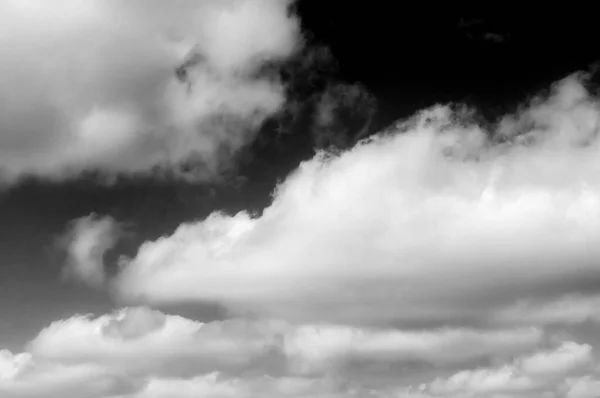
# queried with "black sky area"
point(408, 55)
point(406, 58)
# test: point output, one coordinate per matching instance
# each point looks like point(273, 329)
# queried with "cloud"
point(92, 86)
point(214, 385)
point(23, 376)
point(167, 343)
point(537, 373)
point(170, 343)
point(582, 387)
point(437, 259)
point(52, 380)
point(138, 352)
point(86, 243)
point(434, 222)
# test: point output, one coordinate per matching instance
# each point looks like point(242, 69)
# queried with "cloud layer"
point(139, 352)
point(92, 86)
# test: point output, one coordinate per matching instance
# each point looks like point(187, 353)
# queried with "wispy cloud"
point(86, 243)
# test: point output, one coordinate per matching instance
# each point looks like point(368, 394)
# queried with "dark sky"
point(403, 58)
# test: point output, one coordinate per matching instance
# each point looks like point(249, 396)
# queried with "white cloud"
point(11, 365)
point(170, 343)
point(138, 352)
point(23, 376)
point(432, 224)
point(539, 372)
point(139, 341)
point(91, 86)
point(142, 353)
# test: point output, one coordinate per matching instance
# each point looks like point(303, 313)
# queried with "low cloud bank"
point(139, 352)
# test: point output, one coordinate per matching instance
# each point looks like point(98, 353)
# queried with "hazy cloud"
point(86, 243)
point(571, 309)
point(344, 113)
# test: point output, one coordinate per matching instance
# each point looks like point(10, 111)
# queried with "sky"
point(297, 199)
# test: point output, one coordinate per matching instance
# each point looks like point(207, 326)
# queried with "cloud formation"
point(118, 340)
point(92, 86)
point(137, 352)
point(438, 259)
point(437, 221)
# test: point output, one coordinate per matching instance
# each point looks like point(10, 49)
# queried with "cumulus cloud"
point(437, 221)
point(86, 243)
point(139, 86)
point(168, 344)
point(138, 352)
point(173, 344)
point(436, 259)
